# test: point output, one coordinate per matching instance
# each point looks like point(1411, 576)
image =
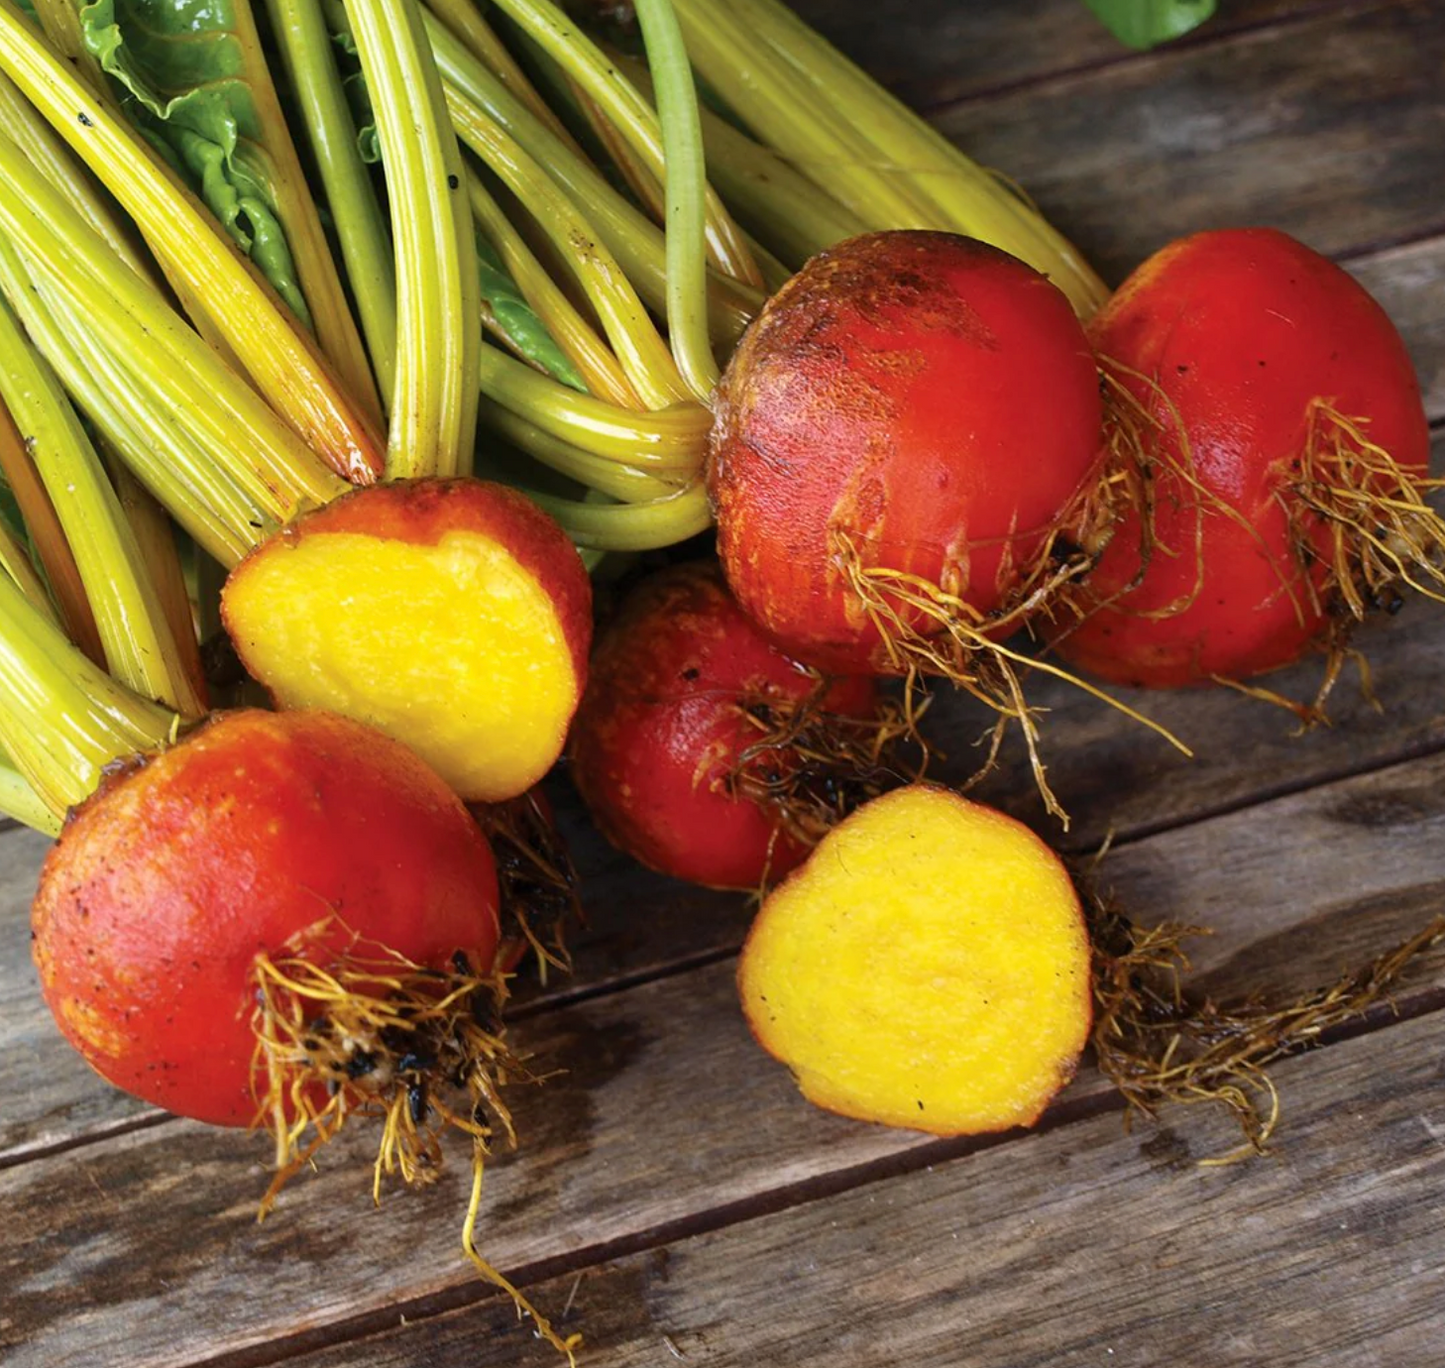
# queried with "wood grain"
point(935, 52)
point(1333, 130)
point(1085, 1246)
point(833, 1242)
point(49, 1095)
point(1410, 283)
point(666, 1112)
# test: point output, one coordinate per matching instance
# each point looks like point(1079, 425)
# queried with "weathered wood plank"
point(1110, 774)
point(1410, 283)
point(1083, 1246)
point(1333, 130)
point(143, 1246)
point(1299, 890)
point(50, 1095)
point(933, 52)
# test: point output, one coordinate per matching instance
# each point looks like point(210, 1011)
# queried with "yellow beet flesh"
point(452, 647)
point(928, 967)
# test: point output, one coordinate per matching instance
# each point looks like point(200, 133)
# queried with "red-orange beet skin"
point(167, 883)
point(930, 397)
point(658, 732)
point(1227, 338)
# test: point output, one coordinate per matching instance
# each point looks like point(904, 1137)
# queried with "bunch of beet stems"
point(559, 246)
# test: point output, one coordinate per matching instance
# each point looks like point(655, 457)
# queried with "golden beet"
point(454, 615)
point(899, 438)
point(928, 967)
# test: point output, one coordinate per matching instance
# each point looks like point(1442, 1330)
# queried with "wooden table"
point(674, 1197)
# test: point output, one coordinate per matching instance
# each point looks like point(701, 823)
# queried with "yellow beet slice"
point(452, 615)
point(927, 967)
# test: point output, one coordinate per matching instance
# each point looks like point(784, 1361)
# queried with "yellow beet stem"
point(643, 354)
point(15, 562)
point(335, 328)
point(971, 199)
point(928, 967)
point(607, 477)
point(280, 359)
point(134, 631)
point(633, 117)
point(71, 608)
point(54, 159)
point(775, 274)
point(646, 189)
point(814, 136)
point(465, 21)
point(630, 235)
point(666, 441)
point(686, 189)
point(576, 337)
point(50, 157)
point(20, 801)
point(633, 526)
point(155, 535)
point(268, 460)
point(62, 719)
point(434, 404)
point(131, 408)
point(300, 30)
point(793, 215)
point(61, 21)
point(878, 158)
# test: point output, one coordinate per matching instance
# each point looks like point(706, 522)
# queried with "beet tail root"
point(378, 1036)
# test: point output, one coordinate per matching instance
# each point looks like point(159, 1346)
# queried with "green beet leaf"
point(1147, 23)
point(348, 62)
point(514, 316)
point(181, 70)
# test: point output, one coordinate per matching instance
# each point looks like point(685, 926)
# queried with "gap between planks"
point(1194, 1268)
point(774, 1202)
point(1260, 797)
point(114, 1130)
point(1205, 38)
point(1367, 252)
point(1387, 808)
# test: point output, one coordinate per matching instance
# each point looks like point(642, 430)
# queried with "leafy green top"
point(181, 73)
point(1147, 23)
